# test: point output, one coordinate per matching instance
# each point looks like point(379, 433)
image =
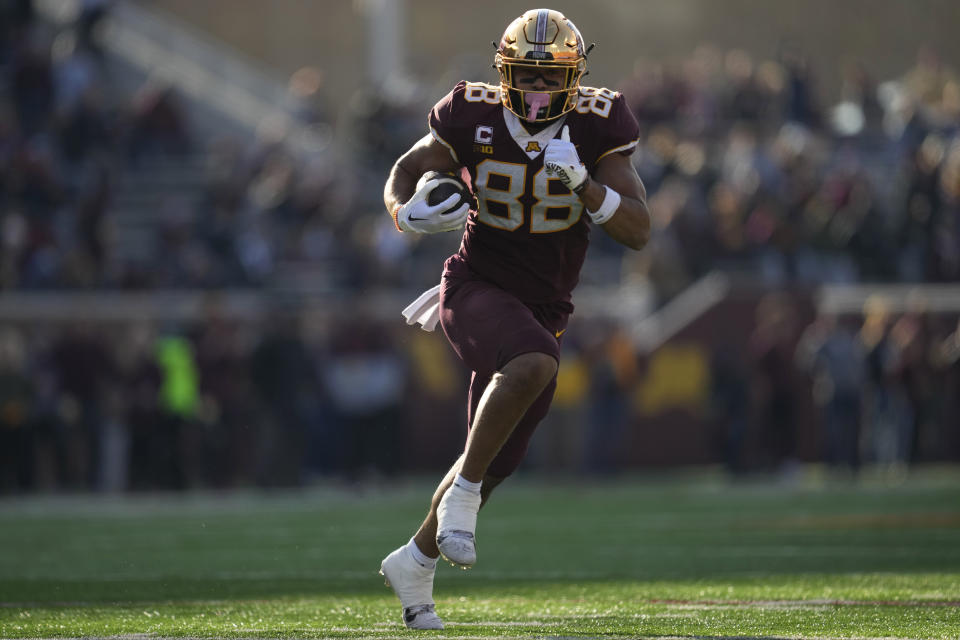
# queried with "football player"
point(548, 158)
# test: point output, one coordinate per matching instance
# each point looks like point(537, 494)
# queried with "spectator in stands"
point(381, 124)
point(16, 413)
point(87, 262)
point(774, 382)
point(918, 207)
point(49, 410)
point(859, 88)
point(306, 101)
point(912, 338)
point(32, 88)
point(802, 102)
point(179, 455)
point(91, 14)
point(744, 99)
point(285, 380)
point(233, 414)
point(158, 125)
point(945, 222)
point(730, 407)
point(611, 362)
point(13, 246)
point(16, 19)
point(83, 132)
point(139, 380)
point(364, 377)
point(36, 184)
point(932, 85)
point(946, 362)
point(75, 71)
point(888, 421)
point(654, 92)
point(85, 369)
point(830, 353)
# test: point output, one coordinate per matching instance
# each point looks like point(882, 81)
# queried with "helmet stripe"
point(542, 20)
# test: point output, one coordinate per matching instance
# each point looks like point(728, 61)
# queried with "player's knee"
point(533, 370)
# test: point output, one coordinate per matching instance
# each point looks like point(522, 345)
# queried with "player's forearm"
point(425, 155)
point(399, 187)
point(630, 224)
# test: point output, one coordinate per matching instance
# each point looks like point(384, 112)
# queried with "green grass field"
point(641, 558)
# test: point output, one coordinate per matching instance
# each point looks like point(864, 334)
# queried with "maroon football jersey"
point(529, 234)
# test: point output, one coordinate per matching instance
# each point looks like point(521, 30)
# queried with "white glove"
point(560, 159)
point(416, 215)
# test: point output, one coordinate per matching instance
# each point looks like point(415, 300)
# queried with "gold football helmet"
point(541, 42)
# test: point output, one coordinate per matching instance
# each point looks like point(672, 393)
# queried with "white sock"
point(422, 559)
point(463, 483)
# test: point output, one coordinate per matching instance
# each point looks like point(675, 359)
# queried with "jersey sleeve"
point(444, 122)
point(620, 131)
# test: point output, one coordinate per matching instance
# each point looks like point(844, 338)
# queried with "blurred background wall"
point(199, 286)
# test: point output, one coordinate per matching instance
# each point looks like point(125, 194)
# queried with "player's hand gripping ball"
point(441, 203)
point(448, 184)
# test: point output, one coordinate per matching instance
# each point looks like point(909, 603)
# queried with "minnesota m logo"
point(533, 145)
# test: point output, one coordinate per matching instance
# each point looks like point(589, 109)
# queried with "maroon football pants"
point(488, 327)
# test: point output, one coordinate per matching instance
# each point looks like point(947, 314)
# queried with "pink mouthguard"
point(535, 102)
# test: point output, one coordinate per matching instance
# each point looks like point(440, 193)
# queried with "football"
point(450, 184)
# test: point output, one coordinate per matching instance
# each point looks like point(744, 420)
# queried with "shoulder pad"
point(481, 92)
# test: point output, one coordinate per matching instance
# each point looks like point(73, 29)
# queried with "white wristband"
point(611, 201)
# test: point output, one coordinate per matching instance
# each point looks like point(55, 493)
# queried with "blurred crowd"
point(84, 157)
point(747, 166)
point(64, 135)
point(292, 398)
point(749, 170)
point(878, 388)
point(276, 401)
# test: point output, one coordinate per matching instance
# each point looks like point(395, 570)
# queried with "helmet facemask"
point(556, 94)
point(540, 44)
